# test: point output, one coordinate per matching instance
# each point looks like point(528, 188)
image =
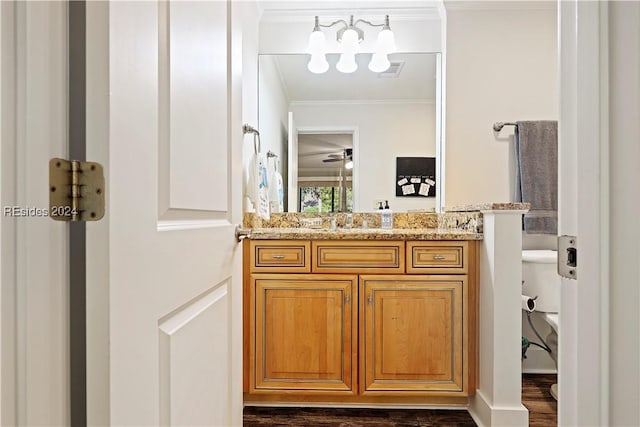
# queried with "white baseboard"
point(485, 414)
point(538, 361)
point(539, 371)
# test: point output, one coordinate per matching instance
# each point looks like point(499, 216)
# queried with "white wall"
point(249, 80)
point(273, 108)
point(273, 114)
point(386, 131)
point(250, 66)
point(501, 66)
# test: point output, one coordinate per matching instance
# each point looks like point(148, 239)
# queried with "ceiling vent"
point(393, 71)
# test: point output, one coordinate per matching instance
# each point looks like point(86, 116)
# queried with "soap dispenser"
point(386, 217)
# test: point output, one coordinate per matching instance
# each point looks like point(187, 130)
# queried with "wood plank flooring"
point(543, 408)
point(331, 417)
point(535, 395)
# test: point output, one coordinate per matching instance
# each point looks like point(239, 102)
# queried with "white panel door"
point(292, 184)
point(164, 273)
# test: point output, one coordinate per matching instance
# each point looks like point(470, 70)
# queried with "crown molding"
point(319, 103)
point(373, 14)
point(455, 5)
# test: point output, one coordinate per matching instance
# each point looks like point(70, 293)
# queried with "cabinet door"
point(304, 333)
point(411, 337)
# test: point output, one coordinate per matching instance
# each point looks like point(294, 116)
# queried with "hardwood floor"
point(324, 417)
point(535, 396)
point(543, 408)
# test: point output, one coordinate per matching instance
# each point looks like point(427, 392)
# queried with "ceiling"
point(314, 148)
point(416, 81)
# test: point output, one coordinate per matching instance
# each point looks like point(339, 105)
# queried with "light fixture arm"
point(351, 24)
point(318, 24)
point(371, 24)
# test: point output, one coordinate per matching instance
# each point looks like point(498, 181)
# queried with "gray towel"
point(536, 145)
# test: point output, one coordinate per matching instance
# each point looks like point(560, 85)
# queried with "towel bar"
point(497, 126)
point(246, 128)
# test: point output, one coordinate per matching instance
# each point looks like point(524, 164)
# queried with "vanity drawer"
point(437, 257)
point(344, 256)
point(280, 256)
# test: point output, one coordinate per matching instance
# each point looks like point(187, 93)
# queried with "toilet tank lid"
point(540, 256)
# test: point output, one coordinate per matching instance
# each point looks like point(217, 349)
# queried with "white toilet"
point(540, 279)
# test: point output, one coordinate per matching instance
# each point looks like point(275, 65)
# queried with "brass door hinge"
point(76, 190)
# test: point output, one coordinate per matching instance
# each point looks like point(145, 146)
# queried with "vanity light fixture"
point(317, 49)
point(349, 38)
point(379, 63)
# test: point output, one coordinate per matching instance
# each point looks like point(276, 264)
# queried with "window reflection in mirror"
point(311, 120)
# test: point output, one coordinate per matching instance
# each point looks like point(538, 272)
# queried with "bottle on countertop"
point(386, 216)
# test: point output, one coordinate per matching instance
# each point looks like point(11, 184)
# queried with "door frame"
point(583, 203)
point(355, 137)
point(34, 266)
point(8, 196)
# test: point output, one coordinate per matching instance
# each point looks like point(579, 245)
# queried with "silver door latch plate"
point(568, 257)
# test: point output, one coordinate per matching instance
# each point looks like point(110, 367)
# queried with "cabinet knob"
point(278, 257)
point(347, 299)
point(439, 257)
point(370, 299)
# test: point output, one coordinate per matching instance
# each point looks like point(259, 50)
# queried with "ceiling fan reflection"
point(346, 157)
point(347, 154)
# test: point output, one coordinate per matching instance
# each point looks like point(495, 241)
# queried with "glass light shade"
point(316, 43)
point(386, 42)
point(349, 41)
point(347, 63)
point(318, 64)
point(379, 63)
point(349, 164)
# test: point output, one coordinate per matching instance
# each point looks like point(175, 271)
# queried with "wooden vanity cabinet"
point(305, 334)
point(372, 321)
point(411, 334)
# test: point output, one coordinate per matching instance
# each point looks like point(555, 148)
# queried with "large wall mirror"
point(336, 138)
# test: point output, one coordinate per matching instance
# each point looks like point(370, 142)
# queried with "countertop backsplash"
point(469, 222)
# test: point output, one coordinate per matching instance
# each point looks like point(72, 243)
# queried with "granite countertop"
point(507, 206)
point(362, 234)
point(457, 225)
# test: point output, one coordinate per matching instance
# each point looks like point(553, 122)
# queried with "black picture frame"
point(415, 177)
